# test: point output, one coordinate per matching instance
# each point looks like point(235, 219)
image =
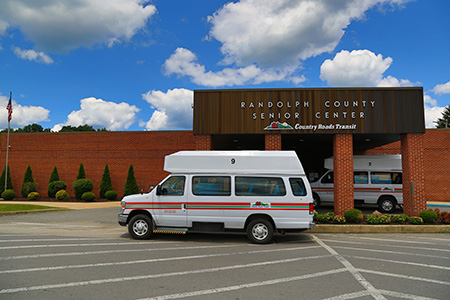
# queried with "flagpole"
point(7, 146)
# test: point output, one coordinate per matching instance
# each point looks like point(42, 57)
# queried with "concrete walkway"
point(67, 205)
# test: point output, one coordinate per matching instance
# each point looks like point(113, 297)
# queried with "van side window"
point(211, 185)
point(386, 177)
point(328, 178)
point(298, 186)
point(259, 186)
point(173, 186)
point(360, 177)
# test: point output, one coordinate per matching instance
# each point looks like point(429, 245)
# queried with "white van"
point(260, 192)
point(377, 179)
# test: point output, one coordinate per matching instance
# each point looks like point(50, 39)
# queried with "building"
point(316, 123)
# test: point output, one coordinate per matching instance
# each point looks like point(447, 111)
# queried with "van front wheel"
point(387, 204)
point(260, 231)
point(140, 227)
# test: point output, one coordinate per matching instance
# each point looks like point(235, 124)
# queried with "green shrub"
point(400, 219)
point(54, 176)
point(131, 186)
point(88, 196)
point(429, 216)
point(28, 187)
point(81, 172)
point(9, 194)
point(111, 195)
point(385, 219)
point(54, 187)
point(82, 186)
point(33, 196)
point(416, 220)
point(105, 184)
point(326, 218)
point(339, 220)
point(372, 219)
point(354, 216)
point(62, 195)
point(8, 181)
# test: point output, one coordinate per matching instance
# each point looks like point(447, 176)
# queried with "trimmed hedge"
point(88, 196)
point(82, 186)
point(54, 187)
point(111, 195)
point(33, 196)
point(9, 194)
point(62, 195)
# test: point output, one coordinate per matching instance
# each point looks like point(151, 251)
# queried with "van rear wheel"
point(260, 231)
point(387, 204)
point(140, 227)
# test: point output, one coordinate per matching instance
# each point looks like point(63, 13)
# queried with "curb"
point(326, 228)
point(25, 212)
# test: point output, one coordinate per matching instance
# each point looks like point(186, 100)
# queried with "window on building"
point(211, 185)
point(259, 186)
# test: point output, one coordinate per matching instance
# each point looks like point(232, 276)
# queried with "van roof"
point(380, 162)
point(236, 162)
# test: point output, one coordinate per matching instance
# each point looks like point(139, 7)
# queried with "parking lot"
point(86, 255)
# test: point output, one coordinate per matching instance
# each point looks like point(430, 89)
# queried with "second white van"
point(377, 180)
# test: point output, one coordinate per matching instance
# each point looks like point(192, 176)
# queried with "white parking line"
point(111, 251)
point(366, 284)
point(182, 273)
point(404, 276)
point(391, 252)
point(400, 262)
point(243, 286)
point(160, 260)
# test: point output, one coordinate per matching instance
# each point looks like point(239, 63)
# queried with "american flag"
point(9, 108)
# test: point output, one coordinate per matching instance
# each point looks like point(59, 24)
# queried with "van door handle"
point(183, 206)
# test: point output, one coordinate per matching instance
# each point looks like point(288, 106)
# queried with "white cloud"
point(173, 110)
point(356, 68)
point(432, 113)
point(63, 25)
point(359, 68)
point(22, 115)
point(282, 32)
point(102, 114)
point(39, 57)
point(184, 63)
point(441, 89)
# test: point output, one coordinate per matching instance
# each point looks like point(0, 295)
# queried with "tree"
point(54, 176)
point(81, 173)
point(105, 184)
point(131, 186)
point(28, 184)
point(444, 122)
point(2, 181)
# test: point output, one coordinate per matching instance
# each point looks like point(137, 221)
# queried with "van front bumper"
point(122, 219)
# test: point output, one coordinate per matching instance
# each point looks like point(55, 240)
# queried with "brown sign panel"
point(326, 110)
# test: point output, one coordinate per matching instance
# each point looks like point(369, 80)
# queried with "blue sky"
point(134, 64)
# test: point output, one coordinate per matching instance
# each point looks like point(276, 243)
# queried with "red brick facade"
point(43, 151)
point(146, 151)
point(273, 142)
point(436, 162)
point(343, 173)
point(203, 142)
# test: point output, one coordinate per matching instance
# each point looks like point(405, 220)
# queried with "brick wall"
point(436, 162)
point(343, 173)
point(43, 151)
point(273, 142)
point(203, 142)
point(413, 171)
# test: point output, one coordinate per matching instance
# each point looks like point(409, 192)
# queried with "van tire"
point(140, 227)
point(387, 204)
point(260, 231)
point(316, 200)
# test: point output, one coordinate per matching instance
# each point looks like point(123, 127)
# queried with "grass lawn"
point(22, 207)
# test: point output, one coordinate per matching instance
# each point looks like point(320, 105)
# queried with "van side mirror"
point(158, 190)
